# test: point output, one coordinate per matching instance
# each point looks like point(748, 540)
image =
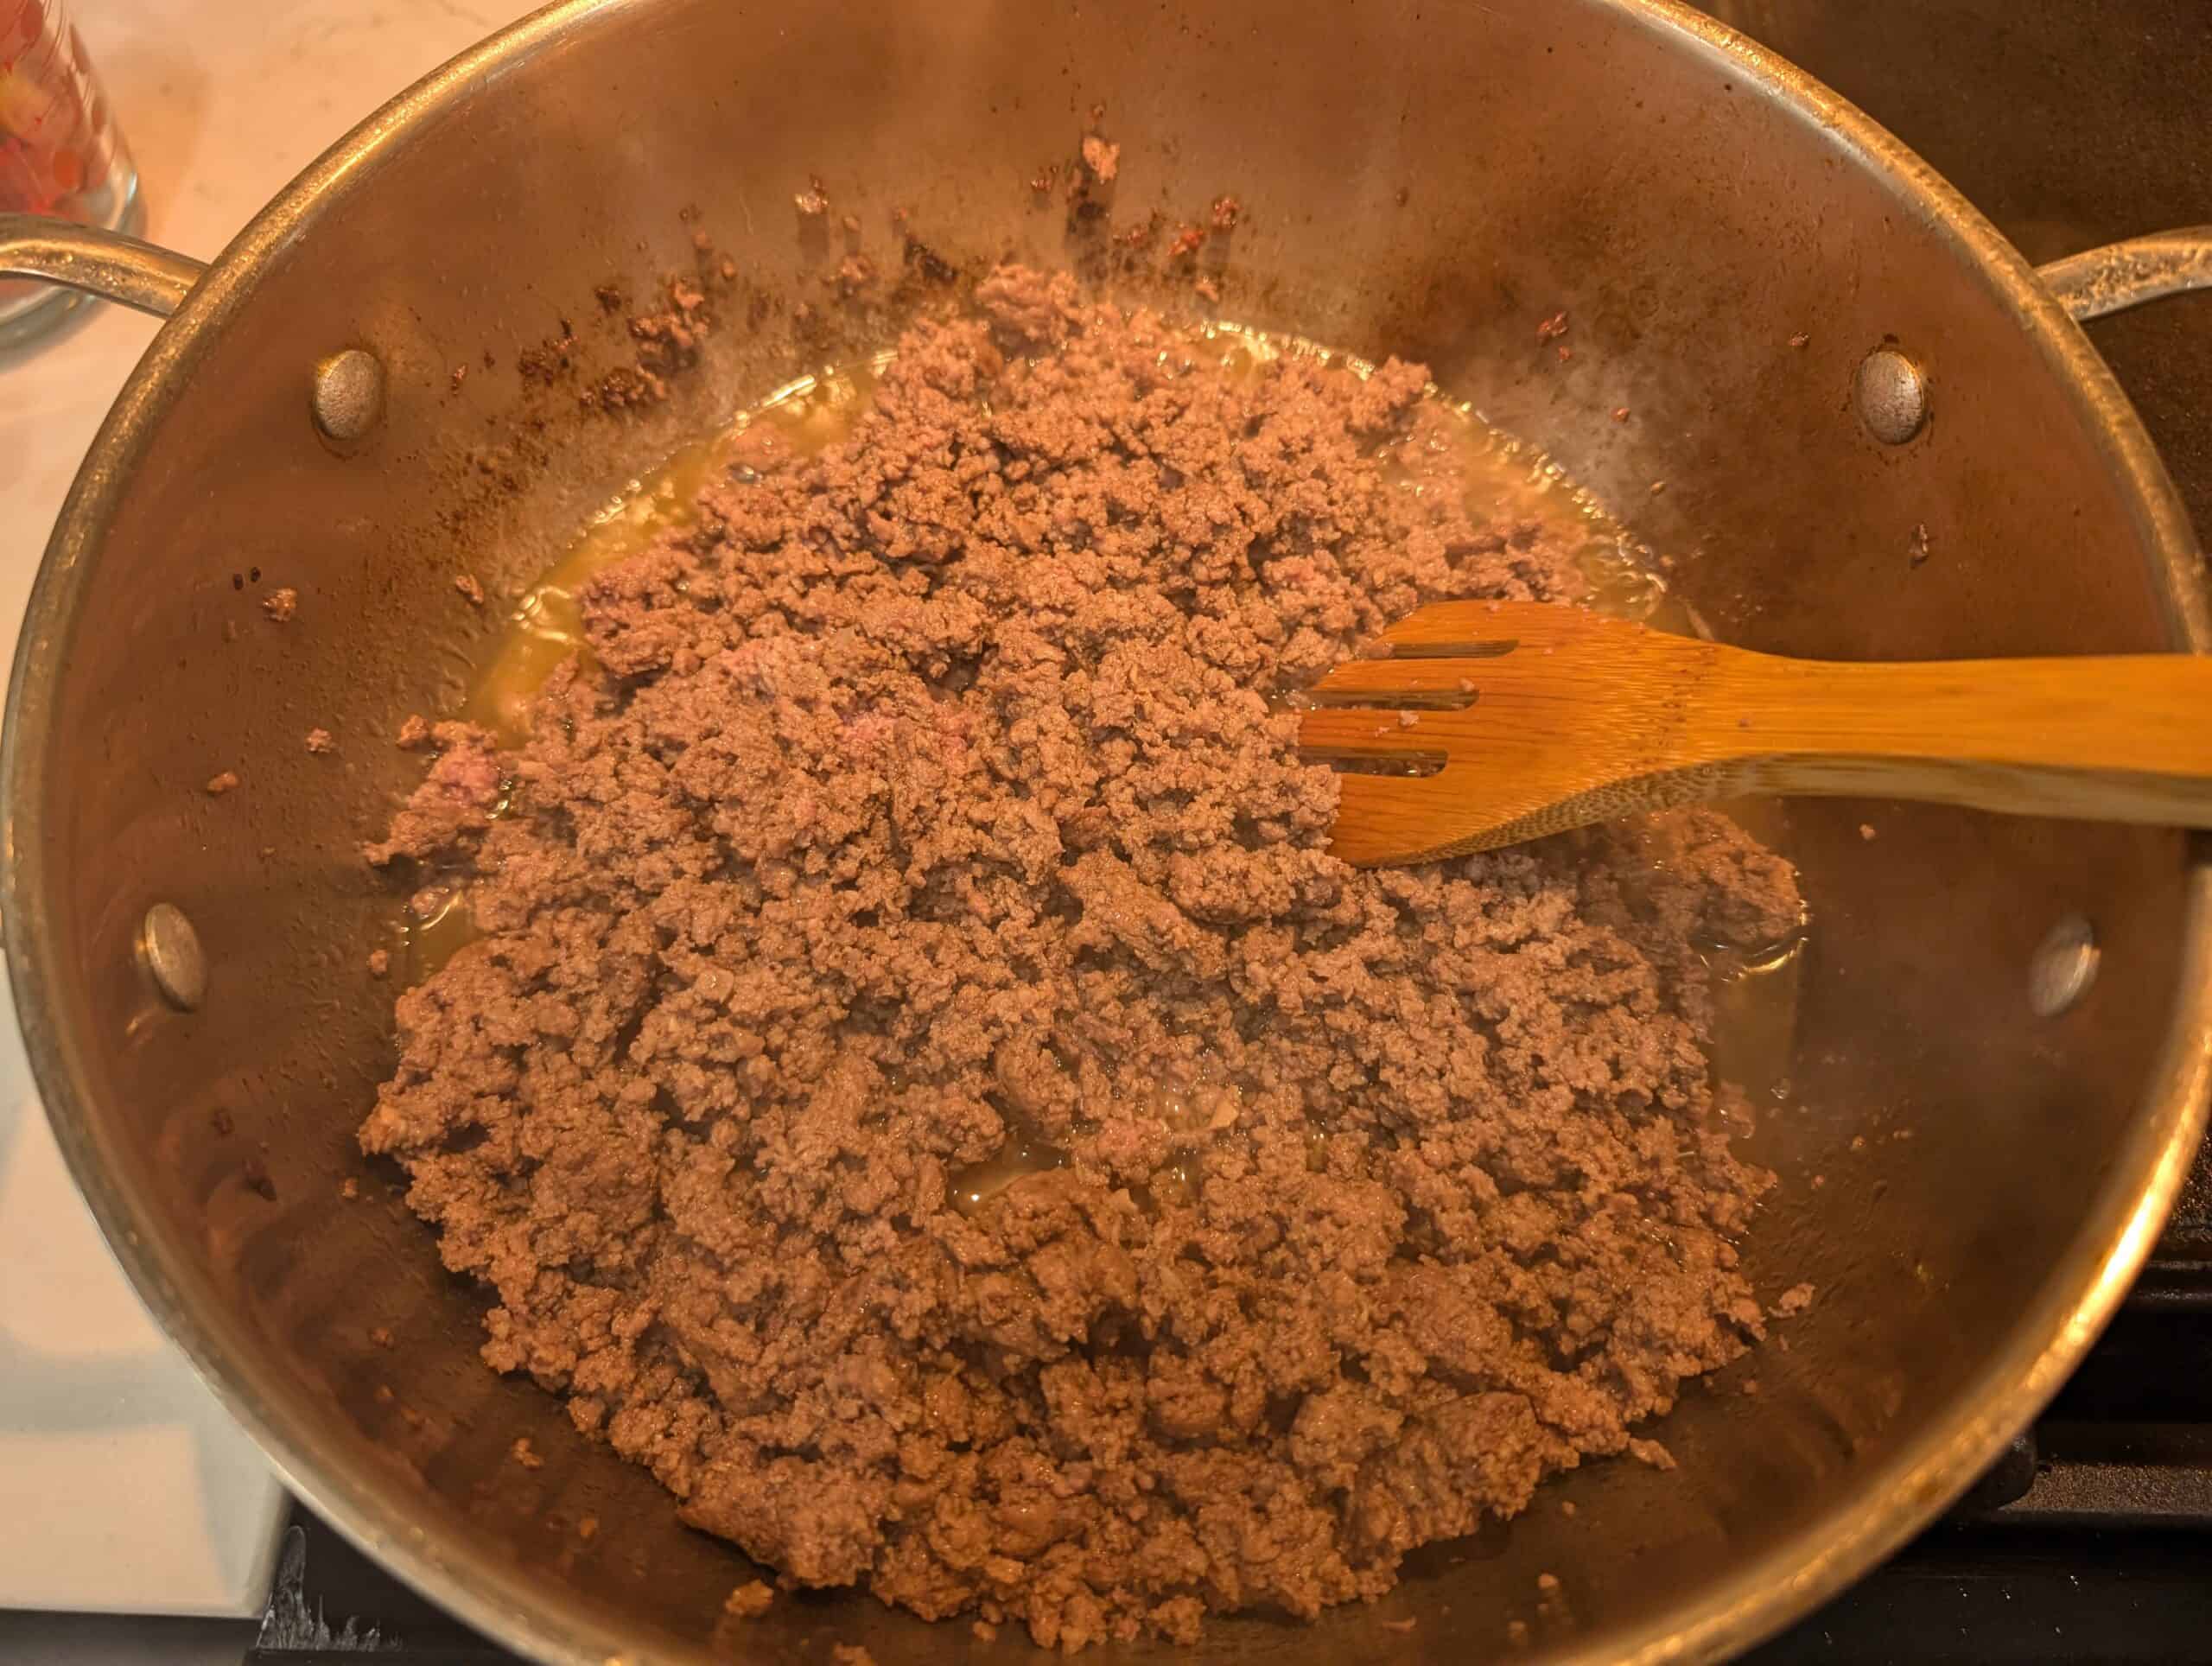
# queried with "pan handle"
point(2123, 274)
point(116, 268)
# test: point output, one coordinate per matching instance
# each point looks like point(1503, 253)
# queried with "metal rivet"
point(348, 394)
point(171, 950)
point(1892, 396)
point(2064, 967)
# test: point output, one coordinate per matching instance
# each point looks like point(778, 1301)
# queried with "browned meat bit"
point(414, 734)
point(281, 604)
point(380, 961)
point(318, 740)
point(349, 1188)
point(525, 1454)
point(1620, 413)
point(1725, 884)
point(750, 1600)
point(1035, 313)
point(851, 224)
point(1187, 242)
point(1226, 213)
point(381, 1337)
point(550, 360)
point(1207, 289)
point(226, 782)
point(610, 297)
point(884, 1095)
point(459, 796)
point(1651, 1452)
point(1551, 1599)
point(1044, 179)
point(467, 585)
point(814, 202)
point(459, 375)
point(587, 1529)
point(1792, 1301)
point(1565, 352)
point(854, 274)
point(1103, 160)
point(985, 1631)
point(1517, 1633)
point(1400, 1626)
point(624, 388)
point(850, 1653)
point(926, 264)
point(1800, 338)
point(1553, 328)
point(669, 339)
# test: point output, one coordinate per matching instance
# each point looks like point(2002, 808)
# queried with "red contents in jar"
point(56, 145)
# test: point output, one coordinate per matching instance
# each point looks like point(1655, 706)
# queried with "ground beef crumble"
point(749, 1600)
point(926, 802)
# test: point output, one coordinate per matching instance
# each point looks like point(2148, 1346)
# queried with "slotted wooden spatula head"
point(1489, 722)
point(1481, 723)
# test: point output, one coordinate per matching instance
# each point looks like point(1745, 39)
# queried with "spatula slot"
point(1388, 699)
point(1451, 650)
point(1374, 763)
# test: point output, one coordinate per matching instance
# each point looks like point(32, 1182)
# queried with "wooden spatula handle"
point(2119, 738)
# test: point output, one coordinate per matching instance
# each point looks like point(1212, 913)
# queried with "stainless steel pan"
point(335, 403)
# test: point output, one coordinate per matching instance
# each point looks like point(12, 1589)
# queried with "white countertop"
point(123, 1485)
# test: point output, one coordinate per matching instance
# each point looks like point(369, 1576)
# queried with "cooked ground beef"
point(924, 804)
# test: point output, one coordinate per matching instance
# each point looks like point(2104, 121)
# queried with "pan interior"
point(1432, 186)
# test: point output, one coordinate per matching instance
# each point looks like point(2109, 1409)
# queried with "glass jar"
point(61, 152)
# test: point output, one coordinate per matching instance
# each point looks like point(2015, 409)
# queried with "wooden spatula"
point(1491, 722)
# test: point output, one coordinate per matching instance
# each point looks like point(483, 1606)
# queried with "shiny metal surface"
point(2064, 967)
point(347, 399)
point(121, 269)
point(174, 957)
point(1892, 396)
point(1990, 1181)
point(2099, 282)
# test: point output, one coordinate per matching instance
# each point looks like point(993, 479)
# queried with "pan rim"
point(1768, 1589)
